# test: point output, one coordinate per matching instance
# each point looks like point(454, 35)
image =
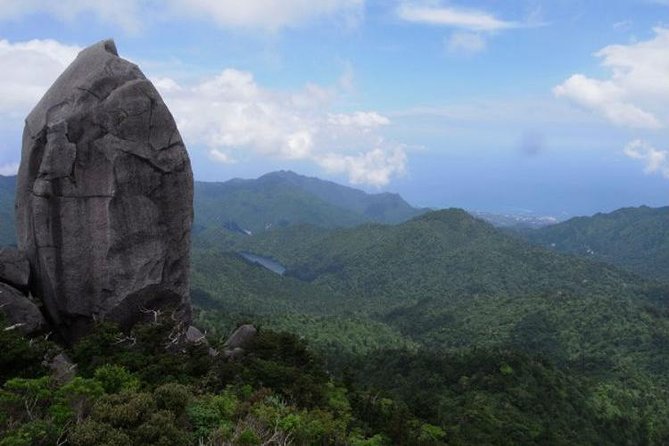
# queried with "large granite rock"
point(14, 268)
point(20, 312)
point(104, 197)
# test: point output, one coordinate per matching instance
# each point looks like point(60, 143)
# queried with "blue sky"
point(554, 107)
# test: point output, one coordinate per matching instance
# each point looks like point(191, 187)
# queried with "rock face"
point(19, 311)
point(14, 268)
point(104, 197)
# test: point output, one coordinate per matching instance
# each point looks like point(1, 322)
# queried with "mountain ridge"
point(634, 238)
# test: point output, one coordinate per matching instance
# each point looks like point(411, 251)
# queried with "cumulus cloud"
point(375, 167)
point(635, 93)
point(234, 118)
point(465, 43)
point(468, 19)
point(28, 69)
point(655, 161)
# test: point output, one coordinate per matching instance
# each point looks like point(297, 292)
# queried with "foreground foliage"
point(129, 390)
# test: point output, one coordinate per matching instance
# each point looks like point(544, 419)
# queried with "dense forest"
point(633, 238)
point(437, 330)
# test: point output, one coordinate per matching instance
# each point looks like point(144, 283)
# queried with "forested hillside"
point(281, 199)
point(383, 302)
point(636, 239)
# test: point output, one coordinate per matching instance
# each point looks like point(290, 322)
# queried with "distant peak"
point(281, 174)
point(446, 215)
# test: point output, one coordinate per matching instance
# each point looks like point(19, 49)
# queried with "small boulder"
point(14, 268)
point(233, 354)
point(195, 336)
point(19, 311)
point(240, 337)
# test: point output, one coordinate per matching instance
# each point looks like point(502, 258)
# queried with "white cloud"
point(606, 98)
point(636, 92)
point(124, 13)
point(270, 15)
point(220, 156)
point(465, 43)
point(9, 169)
point(362, 120)
point(236, 118)
point(375, 167)
point(468, 19)
point(472, 26)
point(656, 161)
point(28, 69)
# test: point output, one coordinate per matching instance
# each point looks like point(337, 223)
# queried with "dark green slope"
point(381, 208)
point(448, 280)
point(636, 239)
point(445, 253)
point(281, 199)
point(494, 340)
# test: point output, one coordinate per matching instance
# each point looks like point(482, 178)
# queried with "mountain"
point(284, 198)
point(636, 239)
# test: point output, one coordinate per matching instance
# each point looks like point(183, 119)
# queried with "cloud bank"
point(231, 116)
point(235, 118)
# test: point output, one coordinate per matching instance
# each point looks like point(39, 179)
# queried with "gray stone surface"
point(240, 337)
point(63, 370)
point(14, 268)
point(104, 197)
point(195, 336)
point(19, 311)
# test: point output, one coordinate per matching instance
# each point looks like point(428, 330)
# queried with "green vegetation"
point(438, 330)
point(130, 390)
point(636, 239)
point(466, 327)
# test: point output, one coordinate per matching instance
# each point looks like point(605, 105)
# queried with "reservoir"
point(268, 263)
